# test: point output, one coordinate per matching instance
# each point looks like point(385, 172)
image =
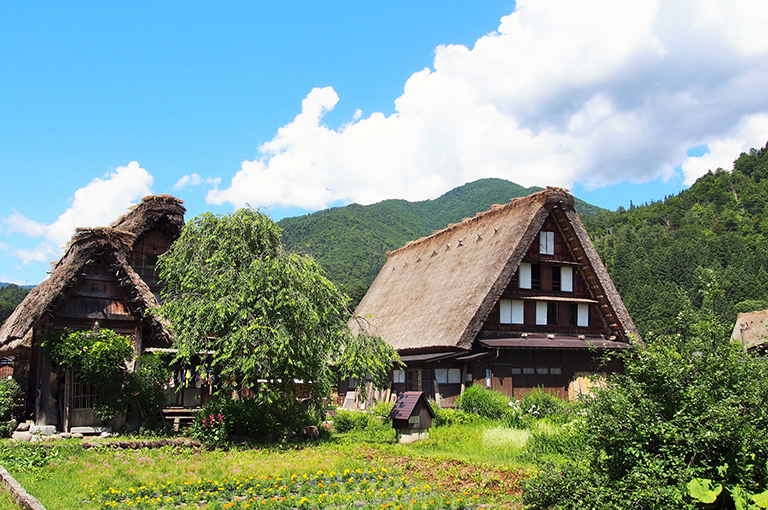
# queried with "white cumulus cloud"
point(99, 203)
point(597, 92)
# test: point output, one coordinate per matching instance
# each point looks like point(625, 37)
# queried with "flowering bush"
point(210, 426)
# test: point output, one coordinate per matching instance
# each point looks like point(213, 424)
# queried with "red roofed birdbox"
point(412, 416)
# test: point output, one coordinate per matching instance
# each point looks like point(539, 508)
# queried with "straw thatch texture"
point(753, 325)
point(436, 292)
point(114, 243)
point(156, 211)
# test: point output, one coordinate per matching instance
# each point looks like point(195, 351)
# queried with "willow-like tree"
point(269, 320)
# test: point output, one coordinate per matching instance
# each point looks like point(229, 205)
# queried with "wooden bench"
point(179, 416)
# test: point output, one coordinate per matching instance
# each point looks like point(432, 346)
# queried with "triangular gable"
point(435, 293)
point(87, 246)
point(589, 282)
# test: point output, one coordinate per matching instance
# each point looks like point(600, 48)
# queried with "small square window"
point(528, 370)
point(542, 370)
point(398, 376)
point(441, 375)
point(517, 371)
point(454, 376)
point(555, 370)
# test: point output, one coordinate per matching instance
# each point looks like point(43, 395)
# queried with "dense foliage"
point(101, 358)
point(487, 403)
point(689, 406)
point(657, 253)
point(271, 322)
point(351, 242)
point(9, 391)
point(10, 297)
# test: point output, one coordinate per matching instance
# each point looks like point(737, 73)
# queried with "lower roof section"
point(434, 356)
point(558, 342)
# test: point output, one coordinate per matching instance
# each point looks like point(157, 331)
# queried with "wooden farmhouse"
point(751, 330)
point(105, 279)
point(512, 299)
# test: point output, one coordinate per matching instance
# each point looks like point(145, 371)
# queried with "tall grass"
point(483, 441)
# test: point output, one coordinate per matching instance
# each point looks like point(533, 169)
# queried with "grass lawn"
point(459, 467)
point(6, 501)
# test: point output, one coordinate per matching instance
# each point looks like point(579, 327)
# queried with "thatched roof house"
point(523, 276)
point(751, 330)
point(106, 278)
point(88, 246)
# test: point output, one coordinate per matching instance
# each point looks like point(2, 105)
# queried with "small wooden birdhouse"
point(412, 416)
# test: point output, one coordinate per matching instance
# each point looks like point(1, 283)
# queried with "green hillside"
point(10, 296)
point(661, 255)
point(351, 242)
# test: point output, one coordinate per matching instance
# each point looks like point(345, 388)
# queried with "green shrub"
point(552, 438)
point(449, 416)
point(382, 409)
point(145, 384)
point(687, 406)
point(224, 419)
point(9, 391)
point(487, 403)
point(540, 404)
point(26, 457)
point(345, 421)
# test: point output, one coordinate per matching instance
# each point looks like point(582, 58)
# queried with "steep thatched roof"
point(436, 292)
point(113, 243)
point(753, 326)
point(155, 211)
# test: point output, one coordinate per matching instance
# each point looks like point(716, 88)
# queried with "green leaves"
point(700, 489)
point(272, 319)
point(99, 358)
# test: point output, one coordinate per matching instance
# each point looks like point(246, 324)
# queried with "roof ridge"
point(550, 194)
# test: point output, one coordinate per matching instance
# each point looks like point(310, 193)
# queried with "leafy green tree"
point(265, 320)
point(656, 252)
point(689, 406)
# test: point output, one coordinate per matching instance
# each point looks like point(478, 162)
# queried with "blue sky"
point(295, 106)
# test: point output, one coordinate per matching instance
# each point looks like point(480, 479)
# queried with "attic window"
point(546, 243)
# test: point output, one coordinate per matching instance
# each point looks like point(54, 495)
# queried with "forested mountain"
point(351, 242)
point(10, 296)
point(660, 255)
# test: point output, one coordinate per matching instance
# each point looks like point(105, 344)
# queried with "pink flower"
point(205, 424)
point(221, 418)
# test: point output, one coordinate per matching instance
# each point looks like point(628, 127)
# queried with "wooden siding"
point(516, 372)
point(143, 258)
point(562, 314)
point(96, 295)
